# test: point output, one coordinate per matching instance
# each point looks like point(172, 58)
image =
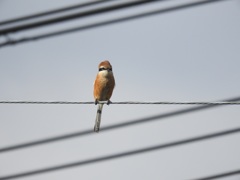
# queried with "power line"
point(123, 102)
point(225, 174)
point(73, 16)
point(124, 154)
point(110, 127)
point(104, 23)
point(76, 6)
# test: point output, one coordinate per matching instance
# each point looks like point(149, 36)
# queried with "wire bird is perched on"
point(103, 88)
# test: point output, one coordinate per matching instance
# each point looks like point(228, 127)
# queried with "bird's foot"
point(109, 102)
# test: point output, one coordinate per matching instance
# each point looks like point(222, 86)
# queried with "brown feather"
point(104, 83)
point(103, 88)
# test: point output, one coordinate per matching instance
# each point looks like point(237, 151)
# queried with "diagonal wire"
point(109, 127)
point(123, 154)
point(46, 13)
point(109, 22)
point(123, 102)
point(225, 174)
point(74, 16)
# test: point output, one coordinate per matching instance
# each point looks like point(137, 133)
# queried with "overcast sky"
point(188, 55)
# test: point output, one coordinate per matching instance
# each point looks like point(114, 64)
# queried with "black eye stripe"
point(102, 68)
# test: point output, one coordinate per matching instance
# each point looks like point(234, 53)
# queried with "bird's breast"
point(104, 85)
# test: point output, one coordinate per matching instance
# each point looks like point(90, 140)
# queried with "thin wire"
point(95, 25)
point(110, 127)
point(124, 154)
point(76, 6)
point(225, 174)
point(74, 16)
point(123, 102)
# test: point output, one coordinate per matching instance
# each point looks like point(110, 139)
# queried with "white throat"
point(104, 73)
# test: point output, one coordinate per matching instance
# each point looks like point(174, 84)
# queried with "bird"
point(103, 89)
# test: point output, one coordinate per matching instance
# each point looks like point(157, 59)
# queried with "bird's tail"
point(98, 118)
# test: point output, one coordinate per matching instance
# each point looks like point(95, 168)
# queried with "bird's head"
point(105, 66)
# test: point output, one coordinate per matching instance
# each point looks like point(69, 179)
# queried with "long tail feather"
point(98, 118)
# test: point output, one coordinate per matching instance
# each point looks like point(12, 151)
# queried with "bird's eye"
point(101, 69)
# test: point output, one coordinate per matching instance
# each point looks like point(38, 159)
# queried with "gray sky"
point(187, 55)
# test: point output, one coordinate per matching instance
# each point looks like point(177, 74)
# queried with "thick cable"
point(109, 22)
point(47, 13)
point(123, 154)
point(54, 20)
point(220, 175)
point(110, 127)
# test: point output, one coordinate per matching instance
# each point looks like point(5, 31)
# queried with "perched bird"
point(103, 88)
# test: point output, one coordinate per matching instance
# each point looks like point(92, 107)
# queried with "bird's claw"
point(109, 102)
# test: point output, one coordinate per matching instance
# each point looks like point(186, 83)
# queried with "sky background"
point(186, 55)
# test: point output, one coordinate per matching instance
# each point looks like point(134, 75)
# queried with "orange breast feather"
point(103, 87)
